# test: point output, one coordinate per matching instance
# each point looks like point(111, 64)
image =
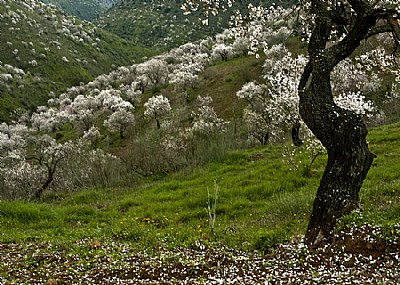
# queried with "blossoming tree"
point(157, 107)
point(335, 30)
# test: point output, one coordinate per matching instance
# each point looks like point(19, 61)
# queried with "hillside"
point(44, 51)
point(186, 167)
point(161, 228)
point(180, 109)
point(84, 9)
point(159, 24)
point(163, 24)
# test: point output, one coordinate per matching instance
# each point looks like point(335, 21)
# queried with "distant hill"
point(85, 9)
point(158, 24)
point(43, 50)
point(163, 25)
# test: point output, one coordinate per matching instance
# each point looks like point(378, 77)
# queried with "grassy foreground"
point(250, 200)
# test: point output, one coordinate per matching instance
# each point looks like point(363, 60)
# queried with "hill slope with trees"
point(84, 9)
point(163, 24)
point(160, 115)
point(43, 50)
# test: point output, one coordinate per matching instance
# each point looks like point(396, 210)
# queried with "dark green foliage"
point(162, 24)
point(267, 239)
point(84, 9)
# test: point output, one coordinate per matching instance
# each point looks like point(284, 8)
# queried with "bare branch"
point(378, 30)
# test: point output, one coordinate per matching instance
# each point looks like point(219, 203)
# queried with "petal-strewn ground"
point(114, 262)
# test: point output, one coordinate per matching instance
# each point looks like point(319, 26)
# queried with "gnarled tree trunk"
point(342, 132)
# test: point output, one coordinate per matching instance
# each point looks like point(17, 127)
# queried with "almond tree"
point(157, 107)
point(342, 132)
point(119, 121)
point(155, 70)
point(29, 162)
point(337, 28)
point(206, 120)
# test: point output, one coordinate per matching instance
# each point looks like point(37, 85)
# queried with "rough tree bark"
point(343, 133)
point(51, 169)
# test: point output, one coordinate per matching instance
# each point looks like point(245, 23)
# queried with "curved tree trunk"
point(39, 192)
point(51, 169)
point(342, 132)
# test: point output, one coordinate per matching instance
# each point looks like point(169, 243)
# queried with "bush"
point(267, 239)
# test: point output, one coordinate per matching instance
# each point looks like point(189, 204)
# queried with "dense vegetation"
point(84, 9)
point(44, 51)
point(258, 199)
point(163, 25)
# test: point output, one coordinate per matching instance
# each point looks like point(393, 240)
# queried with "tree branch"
point(378, 30)
point(305, 76)
point(394, 25)
point(363, 28)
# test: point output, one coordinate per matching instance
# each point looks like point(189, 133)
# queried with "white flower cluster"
point(186, 75)
point(9, 74)
point(157, 107)
point(156, 70)
point(205, 119)
point(355, 102)
point(120, 121)
point(210, 6)
point(282, 78)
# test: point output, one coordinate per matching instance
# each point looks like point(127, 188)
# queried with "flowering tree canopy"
point(119, 121)
point(157, 107)
point(333, 30)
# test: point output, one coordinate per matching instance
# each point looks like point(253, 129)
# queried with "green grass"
point(261, 203)
point(223, 80)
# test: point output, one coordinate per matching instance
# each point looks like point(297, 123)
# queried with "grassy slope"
point(260, 202)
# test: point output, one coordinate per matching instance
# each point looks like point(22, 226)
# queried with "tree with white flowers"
point(156, 70)
point(186, 75)
point(157, 107)
point(256, 116)
point(334, 30)
point(205, 119)
point(222, 51)
point(119, 121)
point(31, 163)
